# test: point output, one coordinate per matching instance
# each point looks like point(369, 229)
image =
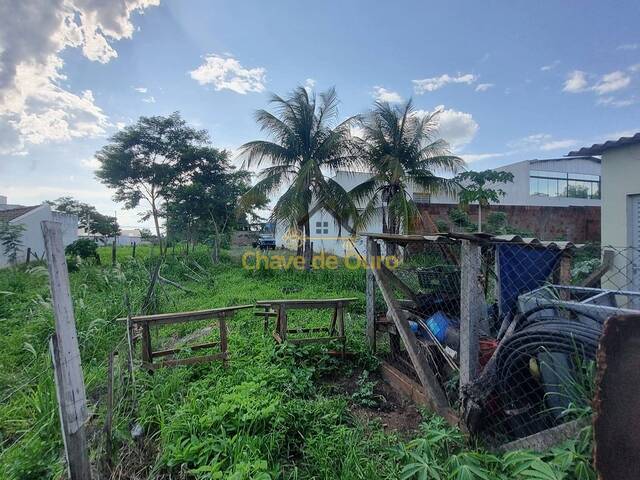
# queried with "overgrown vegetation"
point(275, 412)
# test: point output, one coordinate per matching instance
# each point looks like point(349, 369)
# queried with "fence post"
point(133, 253)
point(113, 253)
point(70, 389)
point(372, 256)
point(471, 300)
point(28, 255)
point(109, 414)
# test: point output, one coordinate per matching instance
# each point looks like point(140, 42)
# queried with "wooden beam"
point(543, 441)
point(185, 361)
point(307, 303)
point(224, 343)
point(147, 352)
point(373, 251)
point(65, 353)
point(596, 275)
point(172, 351)
point(471, 304)
point(177, 317)
point(436, 396)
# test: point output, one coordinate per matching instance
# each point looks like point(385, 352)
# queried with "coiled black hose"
point(542, 333)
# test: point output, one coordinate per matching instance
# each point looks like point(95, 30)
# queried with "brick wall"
point(576, 224)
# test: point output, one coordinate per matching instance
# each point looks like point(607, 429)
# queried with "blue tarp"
point(522, 269)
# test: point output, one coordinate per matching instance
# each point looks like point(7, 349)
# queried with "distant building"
point(556, 198)
point(620, 207)
point(30, 217)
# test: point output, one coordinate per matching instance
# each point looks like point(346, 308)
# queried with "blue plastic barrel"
point(438, 323)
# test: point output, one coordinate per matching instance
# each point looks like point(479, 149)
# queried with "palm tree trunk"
point(307, 244)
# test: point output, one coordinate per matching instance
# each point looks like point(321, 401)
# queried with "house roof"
point(13, 213)
point(600, 148)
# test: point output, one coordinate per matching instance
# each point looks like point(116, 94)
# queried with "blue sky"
point(515, 80)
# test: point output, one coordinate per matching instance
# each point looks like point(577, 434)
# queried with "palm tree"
point(401, 149)
point(306, 142)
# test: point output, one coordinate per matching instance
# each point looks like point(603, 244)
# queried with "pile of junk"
point(538, 336)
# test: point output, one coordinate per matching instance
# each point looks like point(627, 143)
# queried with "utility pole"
point(65, 352)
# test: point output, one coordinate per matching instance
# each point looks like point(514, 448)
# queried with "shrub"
point(83, 248)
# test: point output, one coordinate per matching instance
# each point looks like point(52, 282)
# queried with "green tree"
point(476, 187)
point(307, 141)
point(88, 216)
point(144, 160)
point(11, 240)
point(206, 204)
point(402, 151)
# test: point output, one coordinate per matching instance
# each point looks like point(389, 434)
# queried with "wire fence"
point(539, 310)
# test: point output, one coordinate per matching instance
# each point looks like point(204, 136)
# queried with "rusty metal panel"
point(617, 402)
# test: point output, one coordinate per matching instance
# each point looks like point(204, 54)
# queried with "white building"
point(553, 198)
point(620, 207)
point(30, 217)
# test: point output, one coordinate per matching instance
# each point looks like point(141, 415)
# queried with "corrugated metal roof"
point(13, 213)
point(479, 237)
point(600, 148)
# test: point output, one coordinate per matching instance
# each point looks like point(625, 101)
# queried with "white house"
point(30, 217)
point(620, 207)
point(553, 198)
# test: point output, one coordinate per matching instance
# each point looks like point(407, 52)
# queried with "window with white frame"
point(322, 228)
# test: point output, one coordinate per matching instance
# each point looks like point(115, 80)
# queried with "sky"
point(513, 80)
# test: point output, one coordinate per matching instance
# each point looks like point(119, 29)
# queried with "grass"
point(271, 414)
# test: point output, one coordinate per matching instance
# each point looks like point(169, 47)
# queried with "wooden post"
point(435, 395)
point(146, 344)
point(340, 318)
point(223, 339)
point(373, 253)
point(28, 255)
point(471, 304)
point(70, 389)
point(282, 321)
point(113, 253)
point(133, 253)
point(109, 414)
point(565, 273)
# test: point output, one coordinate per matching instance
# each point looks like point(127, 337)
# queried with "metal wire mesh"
point(539, 310)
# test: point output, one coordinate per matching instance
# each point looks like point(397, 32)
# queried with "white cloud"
point(225, 72)
point(436, 83)
point(483, 87)
point(475, 157)
point(141, 89)
point(542, 141)
point(381, 94)
point(551, 66)
point(612, 82)
point(457, 128)
point(33, 101)
point(635, 68)
point(617, 102)
point(576, 82)
point(629, 46)
point(149, 99)
point(90, 163)
point(309, 84)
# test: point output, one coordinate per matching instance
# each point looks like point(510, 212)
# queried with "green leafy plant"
point(11, 240)
point(364, 395)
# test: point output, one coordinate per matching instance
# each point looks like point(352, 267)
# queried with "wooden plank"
point(147, 352)
point(303, 303)
point(565, 273)
point(309, 330)
point(372, 252)
point(543, 441)
point(314, 340)
point(282, 322)
point(470, 311)
point(172, 351)
point(169, 318)
point(224, 346)
point(66, 356)
point(341, 335)
point(595, 276)
point(398, 283)
point(186, 361)
point(436, 396)
point(266, 314)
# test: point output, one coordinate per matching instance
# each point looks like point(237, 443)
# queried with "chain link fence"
point(537, 310)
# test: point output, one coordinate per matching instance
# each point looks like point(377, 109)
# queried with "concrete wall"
point(620, 180)
point(32, 235)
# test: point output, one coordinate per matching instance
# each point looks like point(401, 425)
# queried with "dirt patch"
point(396, 413)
